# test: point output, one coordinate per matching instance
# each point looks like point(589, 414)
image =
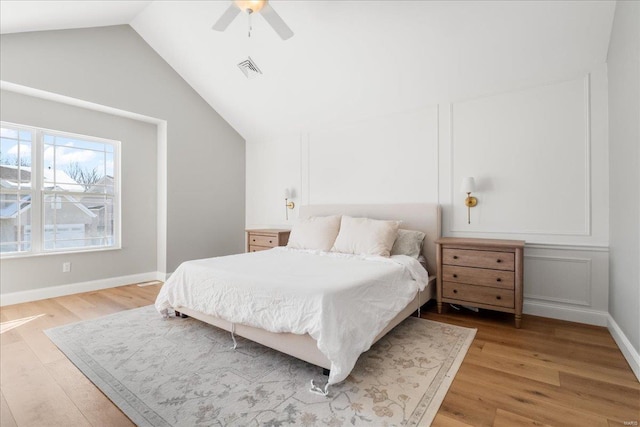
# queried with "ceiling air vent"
point(249, 68)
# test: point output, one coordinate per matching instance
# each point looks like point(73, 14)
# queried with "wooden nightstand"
point(483, 273)
point(262, 239)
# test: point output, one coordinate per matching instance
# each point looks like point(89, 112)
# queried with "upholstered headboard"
point(414, 216)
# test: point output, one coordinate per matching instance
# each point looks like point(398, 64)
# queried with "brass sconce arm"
point(288, 205)
point(469, 203)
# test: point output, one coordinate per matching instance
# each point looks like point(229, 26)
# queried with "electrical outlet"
point(66, 267)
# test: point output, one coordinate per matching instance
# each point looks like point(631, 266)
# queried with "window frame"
point(39, 193)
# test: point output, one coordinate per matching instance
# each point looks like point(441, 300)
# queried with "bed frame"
point(423, 217)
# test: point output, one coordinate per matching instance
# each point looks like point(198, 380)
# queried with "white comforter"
point(342, 301)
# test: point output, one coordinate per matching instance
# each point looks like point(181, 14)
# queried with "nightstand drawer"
point(480, 259)
point(478, 294)
point(260, 240)
point(479, 276)
point(253, 248)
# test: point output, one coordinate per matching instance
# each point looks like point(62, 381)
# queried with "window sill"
point(69, 252)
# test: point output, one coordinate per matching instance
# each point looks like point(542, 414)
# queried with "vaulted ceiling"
point(348, 59)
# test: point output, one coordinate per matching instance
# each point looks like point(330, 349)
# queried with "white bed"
point(320, 307)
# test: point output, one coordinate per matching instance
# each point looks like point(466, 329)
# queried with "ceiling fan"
point(254, 6)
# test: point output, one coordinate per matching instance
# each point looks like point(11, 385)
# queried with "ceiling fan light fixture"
point(253, 5)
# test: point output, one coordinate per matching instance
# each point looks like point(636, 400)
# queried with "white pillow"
point(316, 232)
point(365, 236)
point(408, 242)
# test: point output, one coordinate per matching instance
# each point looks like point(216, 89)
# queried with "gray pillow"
point(408, 242)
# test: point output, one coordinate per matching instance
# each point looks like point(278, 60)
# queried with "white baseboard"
point(564, 312)
point(75, 288)
point(629, 352)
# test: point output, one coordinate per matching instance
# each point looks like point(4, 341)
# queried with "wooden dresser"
point(266, 238)
point(483, 273)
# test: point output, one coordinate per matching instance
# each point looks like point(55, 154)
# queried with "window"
point(58, 192)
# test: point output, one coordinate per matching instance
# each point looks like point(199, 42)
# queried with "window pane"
point(72, 222)
point(78, 143)
point(77, 196)
point(75, 165)
point(15, 158)
point(8, 133)
point(25, 135)
point(109, 169)
point(15, 221)
point(102, 226)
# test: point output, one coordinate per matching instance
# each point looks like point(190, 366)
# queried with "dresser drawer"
point(479, 276)
point(478, 294)
point(263, 240)
point(480, 259)
point(254, 248)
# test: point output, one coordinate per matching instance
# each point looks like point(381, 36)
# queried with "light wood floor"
point(549, 372)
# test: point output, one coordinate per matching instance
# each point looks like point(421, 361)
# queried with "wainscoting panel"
point(567, 282)
point(558, 279)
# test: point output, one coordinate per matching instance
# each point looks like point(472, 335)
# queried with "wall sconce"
point(469, 186)
point(288, 205)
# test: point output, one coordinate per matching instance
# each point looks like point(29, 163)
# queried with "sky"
point(59, 151)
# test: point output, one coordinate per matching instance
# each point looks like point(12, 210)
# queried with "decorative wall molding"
point(587, 288)
point(564, 247)
point(587, 135)
point(305, 161)
point(76, 288)
point(587, 170)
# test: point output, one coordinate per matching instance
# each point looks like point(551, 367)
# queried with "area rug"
point(182, 372)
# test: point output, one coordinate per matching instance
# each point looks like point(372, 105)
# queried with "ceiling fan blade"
point(226, 18)
point(276, 22)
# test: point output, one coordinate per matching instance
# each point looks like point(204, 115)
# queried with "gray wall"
point(139, 196)
point(624, 157)
point(114, 66)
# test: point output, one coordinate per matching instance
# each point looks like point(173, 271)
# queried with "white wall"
point(539, 155)
point(624, 140)
point(272, 166)
point(373, 161)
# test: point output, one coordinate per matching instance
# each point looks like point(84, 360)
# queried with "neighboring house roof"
point(62, 179)
point(11, 210)
point(9, 179)
point(10, 173)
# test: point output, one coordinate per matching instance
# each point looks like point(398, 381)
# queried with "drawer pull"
point(455, 275)
point(270, 241)
point(498, 297)
point(254, 240)
point(455, 291)
point(499, 260)
point(498, 280)
point(455, 257)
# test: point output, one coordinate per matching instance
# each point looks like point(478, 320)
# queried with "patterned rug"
point(182, 372)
